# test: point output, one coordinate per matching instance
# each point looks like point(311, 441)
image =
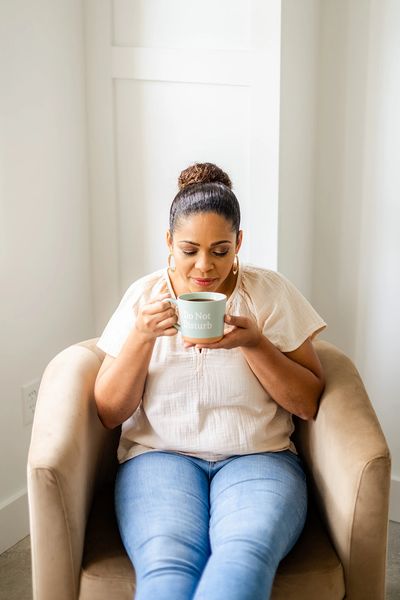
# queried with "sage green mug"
point(201, 316)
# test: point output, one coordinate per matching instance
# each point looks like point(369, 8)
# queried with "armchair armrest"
point(65, 455)
point(349, 464)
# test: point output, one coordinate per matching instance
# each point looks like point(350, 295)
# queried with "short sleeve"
point(122, 321)
point(120, 324)
point(289, 317)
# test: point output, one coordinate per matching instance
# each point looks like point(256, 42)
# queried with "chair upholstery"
point(76, 549)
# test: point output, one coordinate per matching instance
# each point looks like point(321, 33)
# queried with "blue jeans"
point(203, 530)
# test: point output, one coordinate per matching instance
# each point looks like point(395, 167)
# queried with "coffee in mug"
point(201, 316)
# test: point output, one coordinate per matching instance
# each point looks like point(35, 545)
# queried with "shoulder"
point(267, 290)
point(258, 279)
point(144, 288)
point(286, 316)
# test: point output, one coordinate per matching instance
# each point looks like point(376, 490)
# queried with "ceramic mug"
point(201, 316)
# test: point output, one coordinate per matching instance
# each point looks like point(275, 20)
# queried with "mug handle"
point(177, 325)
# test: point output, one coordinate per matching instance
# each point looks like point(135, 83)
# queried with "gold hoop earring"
point(235, 265)
point(169, 263)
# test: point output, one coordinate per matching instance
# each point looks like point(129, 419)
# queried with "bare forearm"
point(119, 390)
point(293, 386)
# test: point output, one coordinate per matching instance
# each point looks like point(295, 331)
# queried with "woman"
point(210, 493)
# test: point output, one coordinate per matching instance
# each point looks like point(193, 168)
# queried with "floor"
point(15, 569)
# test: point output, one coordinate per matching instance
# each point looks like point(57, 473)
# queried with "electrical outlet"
point(29, 397)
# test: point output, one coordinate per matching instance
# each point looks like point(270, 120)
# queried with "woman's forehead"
point(205, 224)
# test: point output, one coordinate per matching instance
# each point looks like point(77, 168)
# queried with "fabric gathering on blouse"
point(209, 404)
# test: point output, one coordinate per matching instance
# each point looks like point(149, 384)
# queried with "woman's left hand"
point(245, 332)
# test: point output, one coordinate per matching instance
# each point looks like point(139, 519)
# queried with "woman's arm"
point(295, 380)
point(120, 381)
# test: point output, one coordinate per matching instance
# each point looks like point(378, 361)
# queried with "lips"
point(203, 282)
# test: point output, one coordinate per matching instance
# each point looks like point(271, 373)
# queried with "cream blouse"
point(209, 404)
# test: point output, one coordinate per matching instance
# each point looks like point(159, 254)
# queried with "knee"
point(169, 553)
point(251, 551)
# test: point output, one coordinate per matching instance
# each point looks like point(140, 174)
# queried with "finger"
point(170, 331)
point(236, 321)
point(219, 344)
point(167, 323)
point(214, 346)
point(157, 307)
point(225, 342)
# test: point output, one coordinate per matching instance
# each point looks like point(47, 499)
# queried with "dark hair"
point(204, 187)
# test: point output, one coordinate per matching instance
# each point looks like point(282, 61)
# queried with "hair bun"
point(203, 173)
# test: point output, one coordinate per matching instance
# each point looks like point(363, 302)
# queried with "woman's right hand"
point(157, 318)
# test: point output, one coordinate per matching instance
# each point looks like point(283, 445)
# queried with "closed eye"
point(190, 253)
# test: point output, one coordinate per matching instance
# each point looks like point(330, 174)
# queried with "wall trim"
point(394, 503)
point(14, 520)
point(229, 67)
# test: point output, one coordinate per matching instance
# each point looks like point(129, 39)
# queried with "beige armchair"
point(76, 549)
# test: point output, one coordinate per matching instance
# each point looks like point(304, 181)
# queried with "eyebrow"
point(213, 244)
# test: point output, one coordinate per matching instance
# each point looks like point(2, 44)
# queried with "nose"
point(204, 263)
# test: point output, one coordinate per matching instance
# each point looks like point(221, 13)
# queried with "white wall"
point(339, 195)
point(378, 317)
point(162, 96)
point(339, 185)
point(45, 270)
point(356, 275)
point(297, 140)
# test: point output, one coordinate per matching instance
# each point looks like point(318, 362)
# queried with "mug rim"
point(200, 296)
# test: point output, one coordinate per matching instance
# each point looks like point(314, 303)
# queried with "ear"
point(239, 241)
point(169, 240)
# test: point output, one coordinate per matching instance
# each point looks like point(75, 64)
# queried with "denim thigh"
point(258, 506)
point(201, 529)
point(162, 509)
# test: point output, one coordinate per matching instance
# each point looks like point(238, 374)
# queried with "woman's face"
point(204, 248)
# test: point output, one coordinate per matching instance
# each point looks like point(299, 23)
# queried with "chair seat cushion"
point(311, 570)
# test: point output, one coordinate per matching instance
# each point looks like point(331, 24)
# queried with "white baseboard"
point(394, 505)
point(14, 520)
